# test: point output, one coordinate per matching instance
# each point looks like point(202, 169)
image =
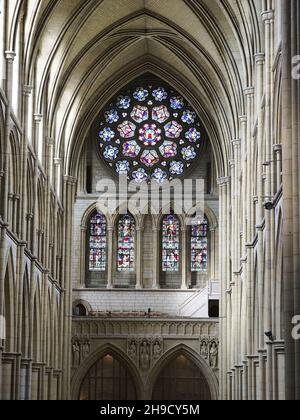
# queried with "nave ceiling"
point(80, 53)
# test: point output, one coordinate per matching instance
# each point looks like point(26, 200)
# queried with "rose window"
point(150, 133)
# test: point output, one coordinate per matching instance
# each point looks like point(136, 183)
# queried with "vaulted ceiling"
point(80, 53)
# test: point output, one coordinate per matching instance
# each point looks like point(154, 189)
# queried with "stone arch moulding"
point(209, 213)
point(91, 210)
point(85, 220)
point(94, 357)
point(83, 303)
point(278, 286)
point(195, 358)
point(133, 212)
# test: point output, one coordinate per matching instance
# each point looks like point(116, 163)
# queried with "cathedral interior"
point(160, 304)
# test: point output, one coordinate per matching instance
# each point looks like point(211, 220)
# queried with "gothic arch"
point(15, 22)
point(85, 222)
point(257, 298)
point(13, 161)
point(9, 303)
point(278, 286)
point(163, 213)
point(190, 354)
point(36, 325)
point(49, 329)
point(93, 208)
point(25, 313)
point(133, 212)
point(278, 100)
point(209, 213)
point(98, 354)
point(56, 347)
point(84, 303)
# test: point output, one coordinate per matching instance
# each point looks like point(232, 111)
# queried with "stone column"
point(268, 20)
point(184, 261)
point(35, 237)
point(278, 153)
point(10, 207)
point(249, 233)
point(139, 258)
point(243, 228)
point(213, 252)
point(68, 201)
point(224, 325)
point(9, 57)
point(37, 118)
point(290, 142)
point(2, 179)
point(27, 90)
point(156, 258)
point(81, 283)
point(243, 129)
point(18, 312)
point(57, 175)
point(110, 234)
point(15, 215)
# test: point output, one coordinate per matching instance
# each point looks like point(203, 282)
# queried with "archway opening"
point(79, 310)
point(108, 379)
point(181, 380)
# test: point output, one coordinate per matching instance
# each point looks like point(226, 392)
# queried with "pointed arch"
point(127, 243)
point(171, 243)
point(278, 292)
point(191, 355)
point(98, 354)
point(25, 319)
point(9, 304)
point(50, 337)
point(36, 325)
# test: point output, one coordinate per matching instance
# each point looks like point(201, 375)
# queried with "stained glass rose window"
point(150, 132)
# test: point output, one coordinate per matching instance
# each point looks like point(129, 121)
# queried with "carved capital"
point(224, 181)
point(70, 180)
point(277, 148)
point(243, 119)
point(37, 118)
point(29, 216)
point(268, 16)
point(57, 161)
point(27, 90)
point(236, 143)
point(50, 141)
point(249, 91)
point(260, 58)
point(10, 56)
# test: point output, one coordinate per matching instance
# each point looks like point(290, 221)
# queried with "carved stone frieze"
point(81, 347)
point(209, 351)
point(145, 351)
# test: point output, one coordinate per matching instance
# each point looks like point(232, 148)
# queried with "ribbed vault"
point(79, 54)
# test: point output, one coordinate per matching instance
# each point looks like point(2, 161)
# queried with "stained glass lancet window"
point(126, 244)
point(150, 132)
point(97, 243)
point(170, 244)
point(199, 246)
